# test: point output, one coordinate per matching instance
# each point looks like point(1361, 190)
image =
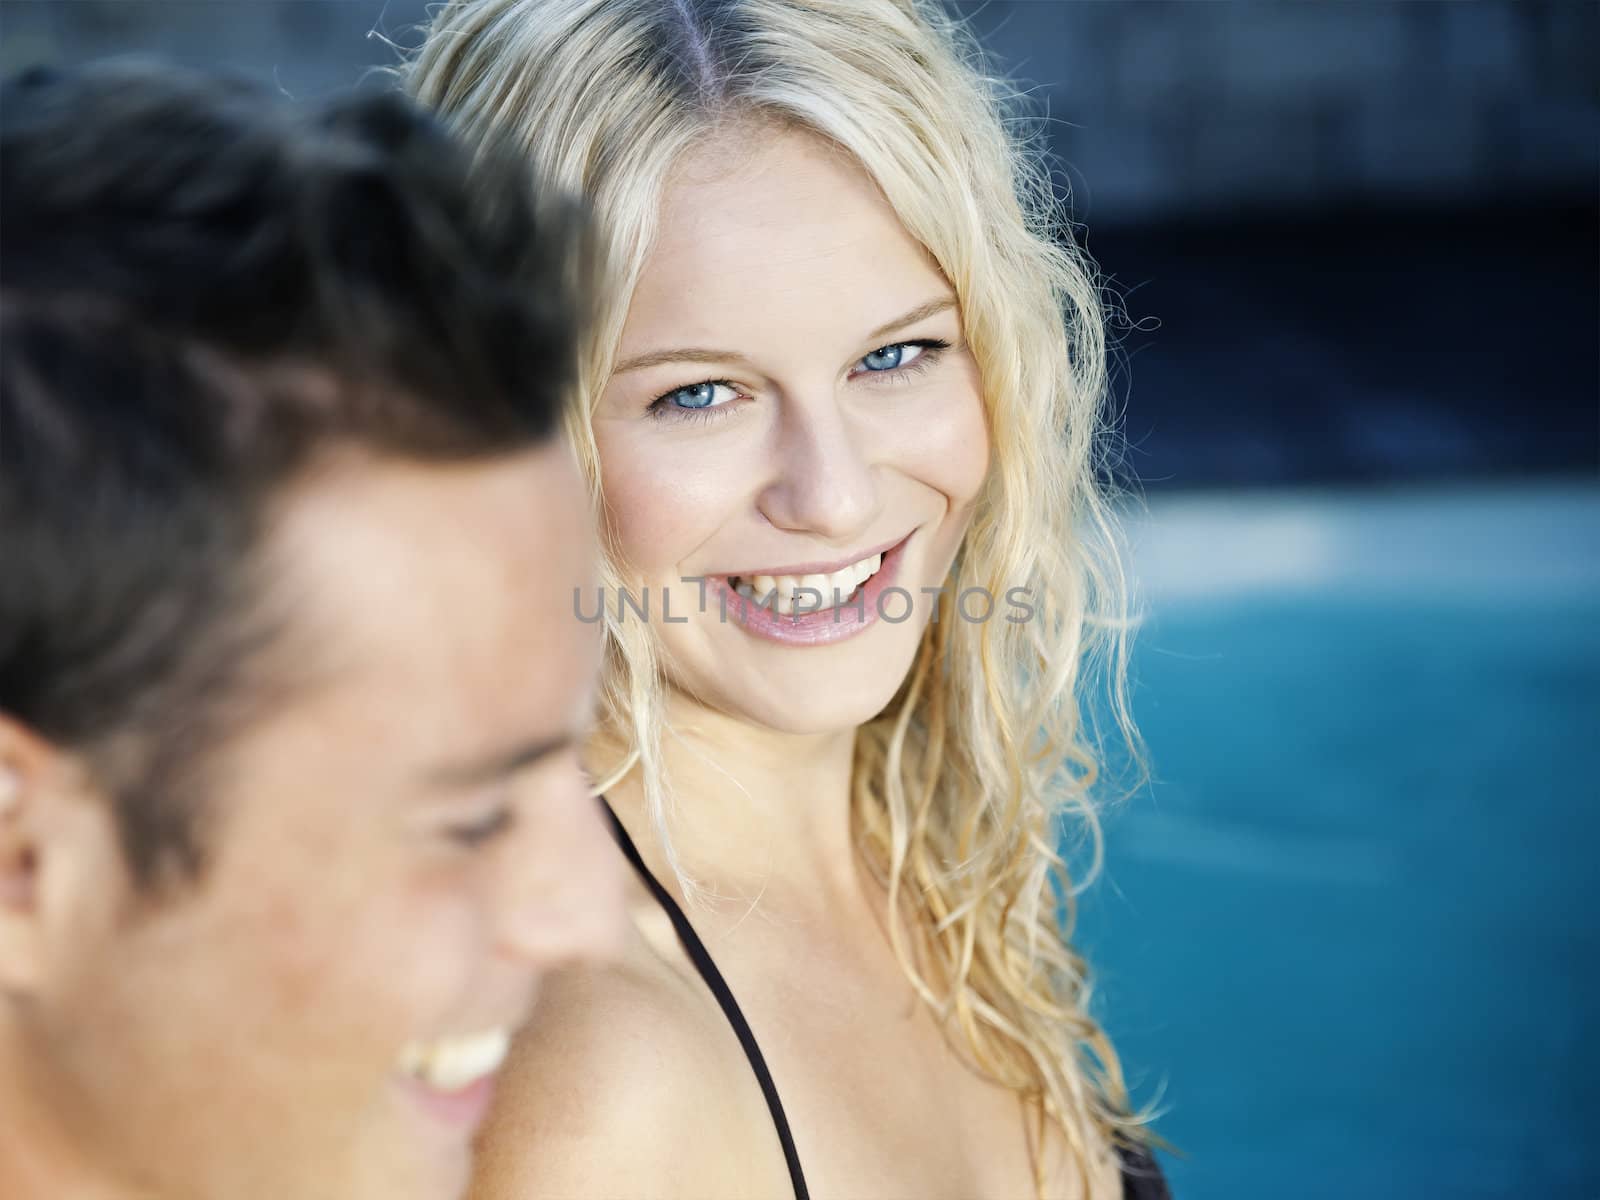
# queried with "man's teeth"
point(782, 593)
point(451, 1064)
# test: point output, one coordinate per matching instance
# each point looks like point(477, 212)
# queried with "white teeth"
point(818, 592)
point(781, 597)
point(451, 1064)
point(778, 591)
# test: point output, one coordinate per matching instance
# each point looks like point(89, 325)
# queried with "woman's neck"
point(753, 811)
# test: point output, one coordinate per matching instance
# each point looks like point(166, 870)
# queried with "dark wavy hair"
point(203, 289)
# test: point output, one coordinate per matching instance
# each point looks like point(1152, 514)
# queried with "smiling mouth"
point(788, 594)
point(456, 1063)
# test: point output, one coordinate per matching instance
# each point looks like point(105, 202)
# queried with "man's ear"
point(44, 824)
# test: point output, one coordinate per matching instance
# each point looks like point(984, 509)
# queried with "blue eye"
point(902, 354)
point(699, 395)
point(885, 358)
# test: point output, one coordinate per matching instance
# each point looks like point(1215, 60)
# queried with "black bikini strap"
point(719, 988)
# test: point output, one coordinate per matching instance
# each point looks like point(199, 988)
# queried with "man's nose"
point(560, 891)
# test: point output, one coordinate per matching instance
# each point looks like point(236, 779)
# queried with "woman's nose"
point(822, 475)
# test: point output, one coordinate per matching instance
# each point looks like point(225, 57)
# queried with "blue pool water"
point(1349, 937)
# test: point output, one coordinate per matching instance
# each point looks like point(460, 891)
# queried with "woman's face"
point(793, 398)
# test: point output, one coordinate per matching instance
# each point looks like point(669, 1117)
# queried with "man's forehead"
point(458, 580)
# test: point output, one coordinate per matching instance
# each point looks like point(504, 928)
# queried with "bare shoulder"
point(1063, 1182)
point(586, 1092)
point(617, 1073)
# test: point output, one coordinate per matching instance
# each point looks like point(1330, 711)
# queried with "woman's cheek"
point(662, 501)
point(948, 448)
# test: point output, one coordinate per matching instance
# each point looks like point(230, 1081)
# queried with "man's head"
point(290, 686)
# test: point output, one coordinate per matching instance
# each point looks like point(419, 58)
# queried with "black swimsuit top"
point(1141, 1177)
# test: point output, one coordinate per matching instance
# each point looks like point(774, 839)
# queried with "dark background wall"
point(1351, 240)
point(1366, 230)
point(1178, 109)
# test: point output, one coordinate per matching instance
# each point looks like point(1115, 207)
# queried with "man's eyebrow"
point(502, 765)
point(701, 355)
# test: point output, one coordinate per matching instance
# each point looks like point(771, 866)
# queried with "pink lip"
point(814, 568)
point(462, 1111)
point(820, 628)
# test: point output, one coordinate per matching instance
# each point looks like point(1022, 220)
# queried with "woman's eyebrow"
point(921, 312)
point(656, 357)
point(699, 355)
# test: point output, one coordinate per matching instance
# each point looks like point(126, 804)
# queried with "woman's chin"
point(846, 720)
point(812, 690)
point(797, 709)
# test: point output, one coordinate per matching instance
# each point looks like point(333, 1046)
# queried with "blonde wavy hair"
point(965, 783)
